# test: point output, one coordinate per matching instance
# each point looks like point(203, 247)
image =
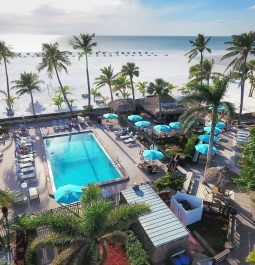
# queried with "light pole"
point(26, 195)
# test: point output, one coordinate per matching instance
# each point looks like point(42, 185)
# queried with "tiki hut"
point(122, 105)
point(221, 177)
point(171, 110)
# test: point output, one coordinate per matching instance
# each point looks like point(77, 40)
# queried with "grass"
point(213, 228)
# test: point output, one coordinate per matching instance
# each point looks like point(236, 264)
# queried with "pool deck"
point(128, 158)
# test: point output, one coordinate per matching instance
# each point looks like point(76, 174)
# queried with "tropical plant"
point(58, 100)
point(8, 101)
point(84, 43)
point(200, 98)
point(54, 60)
point(106, 78)
point(251, 69)
point(195, 71)
point(240, 47)
point(199, 46)
point(251, 258)
point(160, 88)
point(131, 70)
point(27, 84)
point(189, 148)
point(142, 87)
point(5, 55)
point(169, 181)
point(95, 92)
point(79, 235)
point(247, 164)
point(120, 84)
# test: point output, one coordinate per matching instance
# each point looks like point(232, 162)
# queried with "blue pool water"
point(78, 159)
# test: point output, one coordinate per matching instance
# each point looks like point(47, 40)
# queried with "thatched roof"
point(122, 105)
point(221, 177)
point(168, 105)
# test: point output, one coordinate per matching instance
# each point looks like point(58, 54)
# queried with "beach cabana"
point(122, 106)
point(187, 208)
point(160, 231)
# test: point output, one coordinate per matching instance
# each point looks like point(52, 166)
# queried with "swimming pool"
point(78, 159)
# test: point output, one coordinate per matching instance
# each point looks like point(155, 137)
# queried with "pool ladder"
point(116, 160)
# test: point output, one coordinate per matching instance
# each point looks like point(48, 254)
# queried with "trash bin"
point(99, 120)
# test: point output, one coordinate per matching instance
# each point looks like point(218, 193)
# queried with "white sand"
point(173, 68)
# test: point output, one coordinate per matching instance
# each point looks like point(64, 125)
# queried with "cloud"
point(252, 7)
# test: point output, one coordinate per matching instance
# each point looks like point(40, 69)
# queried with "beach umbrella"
point(219, 109)
point(203, 149)
point(152, 155)
point(135, 118)
point(220, 177)
point(175, 125)
point(110, 116)
point(68, 194)
point(219, 124)
point(206, 137)
point(162, 128)
point(216, 130)
point(142, 123)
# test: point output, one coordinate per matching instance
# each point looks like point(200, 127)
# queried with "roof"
point(161, 225)
point(168, 105)
point(122, 105)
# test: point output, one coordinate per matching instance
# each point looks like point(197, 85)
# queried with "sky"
point(127, 17)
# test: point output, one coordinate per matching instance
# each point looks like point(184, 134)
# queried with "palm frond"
point(64, 256)
point(116, 237)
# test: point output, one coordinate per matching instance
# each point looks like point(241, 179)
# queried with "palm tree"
point(241, 46)
point(5, 55)
point(199, 46)
point(8, 101)
point(27, 84)
point(160, 88)
point(201, 97)
point(95, 92)
point(79, 235)
point(55, 60)
point(142, 87)
point(195, 74)
point(58, 100)
point(120, 84)
point(85, 44)
point(131, 70)
point(106, 78)
point(251, 69)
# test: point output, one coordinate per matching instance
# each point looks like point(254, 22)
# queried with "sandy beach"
point(170, 65)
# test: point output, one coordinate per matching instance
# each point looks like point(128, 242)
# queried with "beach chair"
point(25, 160)
point(26, 170)
point(23, 177)
point(126, 136)
point(61, 124)
point(55, 125)
point(66, 123)
point(1, 156)
point(22, 156)
point(24, 165)
point(130, 140)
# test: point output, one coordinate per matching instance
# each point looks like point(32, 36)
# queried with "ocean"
point(32, 43)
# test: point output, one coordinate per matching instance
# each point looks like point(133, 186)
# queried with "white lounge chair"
point(55, 125)
point(24, 165)
point(26, 176)
point(21, 156)
point(26, 169)
point(126, 136)
point(130, 140)
point(25, 160)
point(66, 123)
point(61, 124)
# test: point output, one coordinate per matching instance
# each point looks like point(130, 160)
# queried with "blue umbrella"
point(175, 125)
point(219, 109)
point(205, 138)
point(110, 116)
point(142, 123)
point(152, 155)
point(216, 130)
point(135, 118)
point(162, 128)
point(203, 148)
point(219, 124)
point(68, 194)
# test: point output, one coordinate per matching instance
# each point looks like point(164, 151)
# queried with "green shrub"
point(190, 146)
point(169, 181)
point(135, 251)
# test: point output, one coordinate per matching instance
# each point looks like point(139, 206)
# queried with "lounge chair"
point(66, 123)
point(126, 136)
point(26, 169)
point(1, 156)
point(55, 125)
point(25, 160)
point(22, 156)
point(80, 120)
point(26, 176)
point(61, 124)
point(130, 140)
point(24, 165)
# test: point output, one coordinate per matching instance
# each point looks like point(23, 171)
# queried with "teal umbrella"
point(219, 124)
point(135, 118)
point(68, 194)
point(203, 149)
point(142, 123)
point(219, 109)
point(152, 154)
point(110, 116)
point(175, 125)
point(162, 128)
point(206, 137)
point(216, 130)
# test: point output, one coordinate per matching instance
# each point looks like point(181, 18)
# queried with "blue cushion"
point(184, 259)
point(177, 261)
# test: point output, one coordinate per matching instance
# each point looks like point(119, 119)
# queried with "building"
point(122, 106)
point(160, 231)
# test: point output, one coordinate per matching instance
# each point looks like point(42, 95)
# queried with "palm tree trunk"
point(110, 86)
point(210, 147)
point(133, 90)
point(242, 92)
point(88, 82)
point(32, 102)
point(7, 228)
point(201, 67)
point(63, 92)
point(160, 111)
point(7, 85)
